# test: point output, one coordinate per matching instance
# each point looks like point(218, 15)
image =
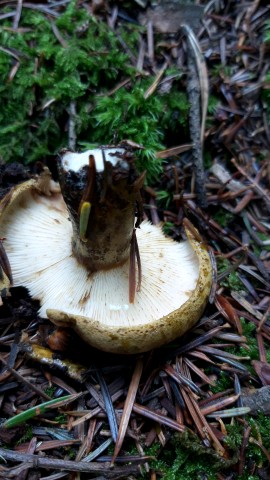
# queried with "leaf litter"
point(200, 385)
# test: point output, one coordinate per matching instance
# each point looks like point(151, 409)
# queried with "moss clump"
point(222, 217)
point(230, 280)
point(51, 67)
point(186, 458)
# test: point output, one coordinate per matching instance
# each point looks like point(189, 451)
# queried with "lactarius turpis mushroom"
point(84, 252)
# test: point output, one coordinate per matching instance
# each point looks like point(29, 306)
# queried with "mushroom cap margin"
point(139, 338)
point(142, 338)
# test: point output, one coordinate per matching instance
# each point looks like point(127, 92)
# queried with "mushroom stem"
point(102, 203)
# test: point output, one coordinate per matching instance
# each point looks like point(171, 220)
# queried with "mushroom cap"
point(176, 277)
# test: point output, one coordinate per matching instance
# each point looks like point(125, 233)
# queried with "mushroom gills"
point(174, 285)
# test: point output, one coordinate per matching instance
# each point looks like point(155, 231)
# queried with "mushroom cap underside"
point(176, 277)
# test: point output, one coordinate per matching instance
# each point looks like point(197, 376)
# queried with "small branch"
point(36, 461)
point(197, 89)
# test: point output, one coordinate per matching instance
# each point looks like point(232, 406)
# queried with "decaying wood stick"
point(257, 400)
point(38, 461)
point(197, 89)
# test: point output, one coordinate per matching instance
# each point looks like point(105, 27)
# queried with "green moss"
point(50, 390)
point(222, 217)
point(212, 104)
point(83, 67)
point(247, 476)
point(186, 458)
point(164, 198)
point(167, 227)
point(223, 382)
point(27, 436)
point(231, 280)
point(249, 331)
point(61, 418)
point(267, 32)
point(221, 70)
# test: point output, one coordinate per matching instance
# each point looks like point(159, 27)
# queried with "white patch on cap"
point(75, 161)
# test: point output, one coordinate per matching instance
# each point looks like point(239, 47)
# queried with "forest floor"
point(202, 403)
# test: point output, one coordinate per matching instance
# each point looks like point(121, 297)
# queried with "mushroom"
point(84, 252)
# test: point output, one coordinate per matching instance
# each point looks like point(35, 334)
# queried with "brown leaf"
point(132, 391)
point(157, 417)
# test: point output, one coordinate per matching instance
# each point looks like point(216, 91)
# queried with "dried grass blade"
point(232, 337)
point(242, 456)
point(262, 352)
point(131, 395)
point(231, 412)
point(228, 312)
point(246, 305)
point(171, 152)
point(95, 394)
point(50, 444)
point(238, 391)
point(251, 272)
point(155, 83)
point(201, 422)
point(98, 451)
point(206, 401)
point(195, 343)
point(233, 363)
point(199, 372)
point(177, 394)
point(157, 417)
point(193, 414)
point(57, 433)
point(216, 351)
point(219, 403)
point(201, 356)
point(96, 410)
point(10, 52)
point(108, 405)
point(182, 380)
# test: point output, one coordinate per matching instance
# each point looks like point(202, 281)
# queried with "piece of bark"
point(258, 400)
